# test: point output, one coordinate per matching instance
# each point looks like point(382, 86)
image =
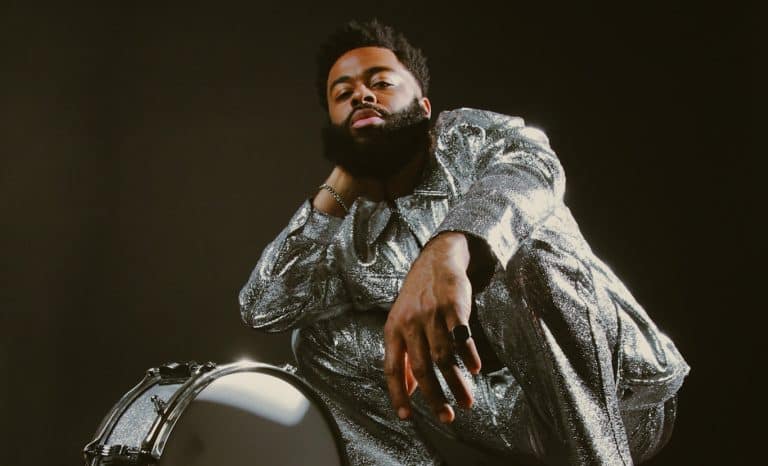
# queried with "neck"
point(404, 181)
point(400, 184)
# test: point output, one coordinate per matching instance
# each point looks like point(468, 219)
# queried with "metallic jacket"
point(588, 377)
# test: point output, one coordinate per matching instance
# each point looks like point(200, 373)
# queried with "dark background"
point(148, 154)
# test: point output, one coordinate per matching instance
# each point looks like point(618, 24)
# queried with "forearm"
point(472, 254)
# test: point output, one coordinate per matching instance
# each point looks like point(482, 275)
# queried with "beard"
point(383, 150)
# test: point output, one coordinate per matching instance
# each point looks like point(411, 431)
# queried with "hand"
point(349, 188)
point(435, 297)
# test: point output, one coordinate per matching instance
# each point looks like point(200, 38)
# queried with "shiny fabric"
point(587, 378)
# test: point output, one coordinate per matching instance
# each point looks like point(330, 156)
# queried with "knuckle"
point(410, 319)
point(455, 306)
point(459, 300)
point(443, 358)
point(412, 333)
point(430, 308)
point(427, 303)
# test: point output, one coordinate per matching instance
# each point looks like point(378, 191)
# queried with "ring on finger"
point(461, 333)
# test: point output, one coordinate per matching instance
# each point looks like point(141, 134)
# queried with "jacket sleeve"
point(296, 280)
point(514, 180)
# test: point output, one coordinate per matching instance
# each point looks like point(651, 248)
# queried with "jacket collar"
point(423, 210)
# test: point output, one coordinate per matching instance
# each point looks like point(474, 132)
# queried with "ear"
point(427, 106)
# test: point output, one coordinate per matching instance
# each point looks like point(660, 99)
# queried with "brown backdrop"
point(148, 154)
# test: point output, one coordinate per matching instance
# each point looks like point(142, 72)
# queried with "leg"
point(560, 346)
point(342, 359)
point(649, 429)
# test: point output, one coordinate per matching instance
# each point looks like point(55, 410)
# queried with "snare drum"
point(244, 413)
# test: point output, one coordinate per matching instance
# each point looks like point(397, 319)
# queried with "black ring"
point(461, 333)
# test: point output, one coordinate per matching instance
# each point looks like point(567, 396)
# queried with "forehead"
point(356, 61)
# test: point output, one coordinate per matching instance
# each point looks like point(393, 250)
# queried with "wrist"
point(336, 196)
point(471, 253)
point(454, 238)
point(454, 244)
point(337, 193)
point(325, 202)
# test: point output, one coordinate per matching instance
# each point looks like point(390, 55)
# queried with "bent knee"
point(542, 263)
point(552, 280)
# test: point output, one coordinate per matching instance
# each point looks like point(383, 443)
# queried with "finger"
point(423, 370)
point(456, 312)
point(394, 373)
point(410, 379)
point(468, 353)
point(444, 357)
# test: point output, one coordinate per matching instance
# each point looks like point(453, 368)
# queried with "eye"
point(382, 85)
point(343, 95)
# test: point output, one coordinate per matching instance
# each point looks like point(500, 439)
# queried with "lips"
point(365, 113)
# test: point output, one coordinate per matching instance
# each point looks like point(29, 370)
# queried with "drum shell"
point(252, 413)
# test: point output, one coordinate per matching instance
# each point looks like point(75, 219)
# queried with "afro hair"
point(371, 33)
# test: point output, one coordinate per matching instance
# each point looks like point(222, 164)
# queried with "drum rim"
point(151, 377)
point(153, 445)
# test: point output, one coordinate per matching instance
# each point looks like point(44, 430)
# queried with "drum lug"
point(159, 404)
point(121, 453)
point(203, 368)
point(178, 372)
point(289, 368)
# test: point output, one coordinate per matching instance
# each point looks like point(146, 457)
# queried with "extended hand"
point(435, 297)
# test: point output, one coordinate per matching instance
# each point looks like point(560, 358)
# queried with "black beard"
point(386, 148)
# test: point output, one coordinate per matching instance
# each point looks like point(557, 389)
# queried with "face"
point(365, 86)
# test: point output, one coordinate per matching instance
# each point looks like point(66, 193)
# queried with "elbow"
point(247, 309)
point(252, 309)
point(267, 315)
point(257, 319)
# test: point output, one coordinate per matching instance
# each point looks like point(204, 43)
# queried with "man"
point(442, 257)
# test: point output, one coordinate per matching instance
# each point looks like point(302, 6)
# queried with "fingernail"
point(402, 413)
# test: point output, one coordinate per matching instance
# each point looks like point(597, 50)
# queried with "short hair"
point(370, 33)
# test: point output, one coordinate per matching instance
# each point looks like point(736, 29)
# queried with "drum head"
point(252, 418)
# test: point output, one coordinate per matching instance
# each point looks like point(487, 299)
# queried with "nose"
point(362, 94)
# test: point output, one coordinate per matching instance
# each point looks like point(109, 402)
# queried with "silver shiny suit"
point(587, 378)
